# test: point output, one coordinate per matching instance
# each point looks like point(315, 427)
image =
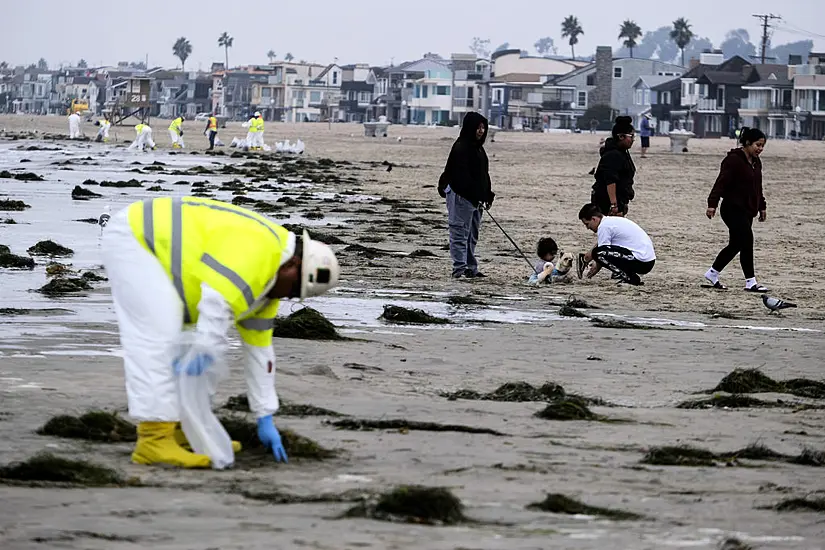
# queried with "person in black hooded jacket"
point(613, 189)
point(465, 184)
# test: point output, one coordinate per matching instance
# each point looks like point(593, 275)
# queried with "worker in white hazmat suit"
point(74, 126)
point(176, 132)
point(258, 121)
point(204, 263)
point(103, 130)
point(143, 138)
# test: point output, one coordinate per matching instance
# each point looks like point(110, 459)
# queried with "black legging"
point(740, 227)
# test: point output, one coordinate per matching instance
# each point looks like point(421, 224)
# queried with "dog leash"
point(532, 268)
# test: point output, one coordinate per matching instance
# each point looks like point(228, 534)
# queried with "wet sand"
point(68, 362)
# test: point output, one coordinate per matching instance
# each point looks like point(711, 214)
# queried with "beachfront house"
point(809, 96)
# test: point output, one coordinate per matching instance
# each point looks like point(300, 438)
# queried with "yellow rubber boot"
point(181, 440)
point(156, 445)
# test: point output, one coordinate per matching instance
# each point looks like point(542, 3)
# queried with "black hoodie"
point(467, 171)
point(740, 183)
point(615, 166)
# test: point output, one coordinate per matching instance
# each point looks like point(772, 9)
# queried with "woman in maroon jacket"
point(739, 185)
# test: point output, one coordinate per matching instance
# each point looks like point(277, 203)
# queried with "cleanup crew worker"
point(143, 137)
point(252, 131)
point(103, 131)
point(176, 132)
point(192, 261)
point(211, 130)
point(258, 121)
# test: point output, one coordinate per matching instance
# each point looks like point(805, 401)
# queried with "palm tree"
point(570, 28)
point(82, 64)
point(682, 35)
point(271, 55)
point(182, 50)
point(289, 57)
point(42, 64)
point(630, 31)
point(225, 41)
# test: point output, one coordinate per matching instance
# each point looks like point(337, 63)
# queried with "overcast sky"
point(370, 31)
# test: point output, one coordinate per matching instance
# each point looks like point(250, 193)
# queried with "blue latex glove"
point(269, 436)
point(196, 366)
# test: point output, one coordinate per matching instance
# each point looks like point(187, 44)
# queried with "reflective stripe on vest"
point(257, 324)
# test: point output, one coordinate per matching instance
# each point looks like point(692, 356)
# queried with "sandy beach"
point(66, 360)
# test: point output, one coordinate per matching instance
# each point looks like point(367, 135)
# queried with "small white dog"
point(558, 273)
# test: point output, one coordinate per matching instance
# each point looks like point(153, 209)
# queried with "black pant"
point(622, 263)
point(212, 135)
point(602, 200)
point(740, 227)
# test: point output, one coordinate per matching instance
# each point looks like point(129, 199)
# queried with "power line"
point(765, 18)
point(794, 29)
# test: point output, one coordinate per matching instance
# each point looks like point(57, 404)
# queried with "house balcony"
point(556, 105)
point(780, 108)
point(463, 103)
point(709, 105)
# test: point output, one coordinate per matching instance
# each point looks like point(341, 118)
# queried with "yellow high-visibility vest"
point(213, 123)
point(259, 123)
point(235, 251)
point(139, 128)
point(176, 124)
point(253, 125)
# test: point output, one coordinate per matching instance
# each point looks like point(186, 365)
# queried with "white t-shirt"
point(618, 231)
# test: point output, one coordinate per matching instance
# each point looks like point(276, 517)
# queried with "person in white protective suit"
point(183, 262)
point(143, 138)
point(259, 135)
point(103, 130)
point(74, 126)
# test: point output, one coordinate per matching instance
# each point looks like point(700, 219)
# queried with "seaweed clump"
point(49, 248)
point(92, 426)
point(306, 324)
point(14, 261)
point(8, 205)
point(569, 311)
point(464, 301)
point(68, 285)
point(513, 392)
point(556, 503)
point(296, 446)
point(403, 315)
point(723, 401)
point(404, 426)
point(801, 505)
point(50, 468)
point(567, 409)
point(413, 504)
point(83, 194)
point(755, 381)
point(681, 455)
point(240, 403)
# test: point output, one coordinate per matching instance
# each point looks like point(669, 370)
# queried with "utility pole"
point(765, 18)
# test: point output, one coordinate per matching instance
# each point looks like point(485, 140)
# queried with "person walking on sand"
point(623, 247)
point(176, 132)
point(74, 126)
point(739, 186)
point(465, 184)
point(613, 189)
point(202, 264)
point(211, 130)
point(645, 131)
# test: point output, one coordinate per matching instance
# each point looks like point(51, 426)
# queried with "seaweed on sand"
point(403, 425)
point(93, 426)
point(49, 248)
point(365, 251)
point(14, 261)
point(465, 301)
point(306, 324)
point(570, 311)
point(4, 250)
point(92, 276)
point(56, 269)
point(59, 286)
point(82, 194)
point(413, 504)
point(8, 205)
point(421, 253)
point(403, 315)
point(121, 184)
point(326, 238)
point(567, 409)
point(240, 403)
point(94, 221)
point(681, 455)
point(755, 381)
point(561, 504)
point(51, 468)
point(734, 401)
point(513, 392)
point(619, 324)
point(296, 446)
point(685, 455)
point(809, 457)
point(801, 505)
point(23, 176)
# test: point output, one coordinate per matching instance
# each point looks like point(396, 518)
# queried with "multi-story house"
point(469, 77)
point(175, 93)
point(400, 83)
point(358, 90)
point(644, 97)
point(610, 82)
point(232, 92)
point(767, 102)
point(809, 97)
point(431, 101)
point(666, 105)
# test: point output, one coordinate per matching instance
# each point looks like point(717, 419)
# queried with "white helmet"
point(319, 268)
point(257, 113)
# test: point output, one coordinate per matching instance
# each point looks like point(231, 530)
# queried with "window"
point(691, 88)
point(417, 91)
point(821, 106)
point(470, 93)
point(364, 97)
point(425, 91)
point(515, 93)
point(637, 99)
point(315, 97)
point(665, 98)
point(646, 99)
point(581, 100)
point(591, 79)
point(617, 72)
point(442, 90)
point(498, 95)
point(334, 78)
point(266, 93)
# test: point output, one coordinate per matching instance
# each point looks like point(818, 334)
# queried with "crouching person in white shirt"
point(623, 247)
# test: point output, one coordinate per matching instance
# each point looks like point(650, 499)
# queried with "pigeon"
point(104, 218)
point(775, 304)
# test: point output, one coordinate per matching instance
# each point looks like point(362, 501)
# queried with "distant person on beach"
point(594, 125)
point(143, 138)
point(739, 186)
point(623, 247)
point(211, 130)
point(645, 132)
point(204, 265)
point(613, 189)
point(465, 184)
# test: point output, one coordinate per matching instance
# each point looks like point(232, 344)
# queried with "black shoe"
point(470, 275)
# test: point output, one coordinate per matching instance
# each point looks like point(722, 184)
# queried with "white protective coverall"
point(143, 139)
point(74, 126)
point(151, 317)
point(103, 131)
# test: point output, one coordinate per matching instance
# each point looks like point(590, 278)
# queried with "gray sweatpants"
point(464, 220)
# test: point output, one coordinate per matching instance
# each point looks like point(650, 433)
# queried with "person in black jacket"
point(739, 186)
point(465, 183)
point(613, 189)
